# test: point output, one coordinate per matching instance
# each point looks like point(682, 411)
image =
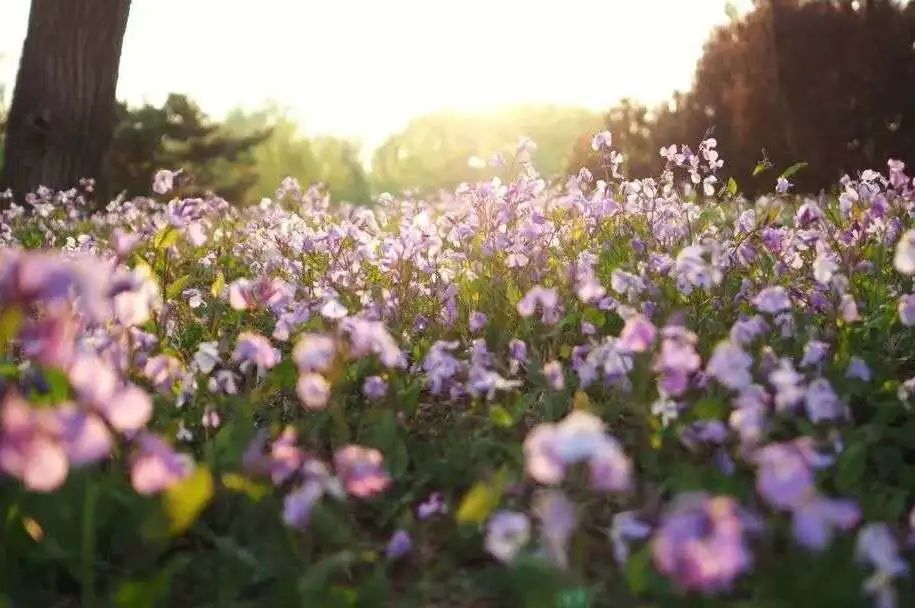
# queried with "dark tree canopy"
point(178, 135)
point(827, 82)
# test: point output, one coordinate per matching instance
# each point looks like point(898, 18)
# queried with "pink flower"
point(361, 471)
point(164, 181)
point(638, 335)
point(554, 376)
point(29, 446)
point(314, 391)
point(127, 410)
point(314, 352)
point(164, 371)
point(550, 449)
point(156, 466)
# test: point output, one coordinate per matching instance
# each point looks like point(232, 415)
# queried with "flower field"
point(606, 391)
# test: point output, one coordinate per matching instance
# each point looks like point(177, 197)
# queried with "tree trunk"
point(62, 116)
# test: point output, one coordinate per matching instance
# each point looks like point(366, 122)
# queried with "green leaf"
point(177, 286)
point(185, 500)
point(638, 568)
point(793, 169)
point(731, 187)
point(165, 238)
point(851, 466)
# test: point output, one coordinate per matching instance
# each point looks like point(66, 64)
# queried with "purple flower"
point(907, 309)
point(298, 504)
point(822, 403)
point(478, 321)
point(814, 520)
point(858, 369)
point(557, 524)
point(433, 505)
point(254, 349)
point(626, 527)
point(85, 437)
point(399, 546)
point(374, 387)
point(677, 361)
point(730, 365)
point(370, 337)
point(772, 300)
point(601, 142)
point(550, 449)
point(360, 470)
point(814, 352)
point(788, 384)
point(506, 534)
point(701, 542)
point(784, 476)
point(546, 299)
point(877, 548)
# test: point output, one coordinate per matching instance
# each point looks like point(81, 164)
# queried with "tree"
point(178, 135)
point(62, 114)
point(288, 153)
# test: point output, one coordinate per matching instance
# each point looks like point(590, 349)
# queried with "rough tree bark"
point(62, 114)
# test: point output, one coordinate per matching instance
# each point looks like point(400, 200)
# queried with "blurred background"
point(388, 96)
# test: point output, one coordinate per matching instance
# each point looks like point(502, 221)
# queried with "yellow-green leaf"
point(10, 321)
point(239, 483)
point(581, 401)
point(185, 500)
point(480, 501)
point(177, 286)
point(218, 285)
point(500, 416)
point(165, 238)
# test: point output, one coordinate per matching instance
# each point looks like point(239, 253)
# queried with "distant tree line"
point(828, 82)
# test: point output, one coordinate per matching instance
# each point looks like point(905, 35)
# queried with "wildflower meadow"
point(598, 391)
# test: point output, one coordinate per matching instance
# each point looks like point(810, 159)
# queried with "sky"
point(363, 68)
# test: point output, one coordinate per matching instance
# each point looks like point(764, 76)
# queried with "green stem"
point(88, 545)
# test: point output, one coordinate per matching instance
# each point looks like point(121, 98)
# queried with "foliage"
point(285, 153)
point(609, 392)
